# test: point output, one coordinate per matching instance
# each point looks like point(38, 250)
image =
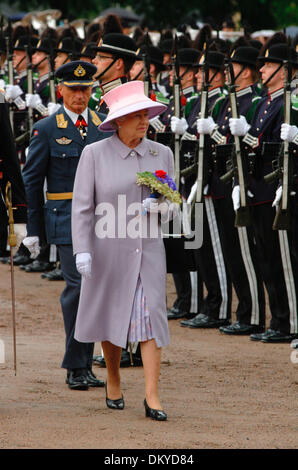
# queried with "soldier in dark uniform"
point(278, 264)
point(115, 55)
point(55, 148)
point(238, 243)
point(210, 262)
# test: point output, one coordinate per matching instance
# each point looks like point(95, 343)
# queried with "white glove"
point(83, 264)
point(2, 84)
point(236, 197)
point(32, 101)
point(53, 107)
point(205, 125)
point(20, 103)
point(157, 124)
point(178, 126)
point(21, 232)
point(239, 126)
point(13, 91)
point(152, 204)
point(288, 132)
point(32, 243)
point(278, 195)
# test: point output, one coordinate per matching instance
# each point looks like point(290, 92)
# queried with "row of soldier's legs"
point(77, 355)
point(212, 268)
point(189, 290)
point(278, 254)
point(242, 261)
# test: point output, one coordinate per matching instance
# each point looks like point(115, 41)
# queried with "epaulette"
point(61, 122)
point(95, 118)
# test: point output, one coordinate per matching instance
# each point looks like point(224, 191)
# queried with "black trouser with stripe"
point(242, 261)
point(212, 269)
point(278, 254)
point(189, 293)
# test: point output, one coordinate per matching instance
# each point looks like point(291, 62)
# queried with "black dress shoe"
point(174, 313)
point(197, 318)
point(92, 380)
point(158, 415)
point(20, 260)
point(238, 328)
point(114, 404)
point(76, 379)
point(38, 266)
point(276, 336)
point(206, 322)
point(55, 275)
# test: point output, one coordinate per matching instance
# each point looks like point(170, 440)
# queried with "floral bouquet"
point(160, 184)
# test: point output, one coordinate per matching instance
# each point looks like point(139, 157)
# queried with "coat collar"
point(63, 121)
point(125, 151)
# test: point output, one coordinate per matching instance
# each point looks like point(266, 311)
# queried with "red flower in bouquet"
point(161, 173)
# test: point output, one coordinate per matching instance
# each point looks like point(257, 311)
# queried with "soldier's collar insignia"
point(153, 152)
point(80, 71)
point(61, 122)
point(63, 141)
point(95, 119)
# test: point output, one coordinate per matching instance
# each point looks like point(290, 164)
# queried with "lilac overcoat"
point(106, 170)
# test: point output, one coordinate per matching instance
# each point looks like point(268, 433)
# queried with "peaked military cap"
point(76, 73)
point(189, 57)
point(280, 53)
point(71, 46)
point(23, 41)
point(118, 44)
point(245, 55)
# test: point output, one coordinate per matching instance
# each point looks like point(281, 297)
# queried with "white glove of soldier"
point(278, 195)
point(20, 232)
point(13, 91)
point(32, 101)
point(205, 125)
point(157, 124)
point(236, 197)
point(83, 264)
point(178, 126)
point(288, 132)
point(53, 107)
point(239, 126)
point(32, 243)
point(2, 84)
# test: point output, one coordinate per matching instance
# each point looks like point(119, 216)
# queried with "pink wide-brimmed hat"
point(128, 98)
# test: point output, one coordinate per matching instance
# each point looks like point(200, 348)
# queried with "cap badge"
point(80, 71)
point(267, 53)
point(233, 53)
point(100, 43)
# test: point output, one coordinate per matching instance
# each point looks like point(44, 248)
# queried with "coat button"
point(54, 210)
point(137, 250)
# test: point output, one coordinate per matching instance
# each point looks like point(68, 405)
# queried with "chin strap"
point(272, 75)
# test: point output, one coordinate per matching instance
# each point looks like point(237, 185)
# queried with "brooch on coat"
point(153, 152)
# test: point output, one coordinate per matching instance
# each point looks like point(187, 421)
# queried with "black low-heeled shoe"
point(114, 404)
point(159, 415)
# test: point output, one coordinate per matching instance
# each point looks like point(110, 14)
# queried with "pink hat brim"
point(154, 110)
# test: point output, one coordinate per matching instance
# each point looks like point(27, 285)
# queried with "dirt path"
point(218, 391)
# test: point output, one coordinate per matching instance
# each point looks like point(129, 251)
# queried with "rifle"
point(51, 74)
point(203, 114)
point(9, 53)
point(282, 216)
point(177, 109)
point(239, 167)
point(12, 241)
point(30, 83)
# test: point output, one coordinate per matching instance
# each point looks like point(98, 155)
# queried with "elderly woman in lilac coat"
point(118, 245)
